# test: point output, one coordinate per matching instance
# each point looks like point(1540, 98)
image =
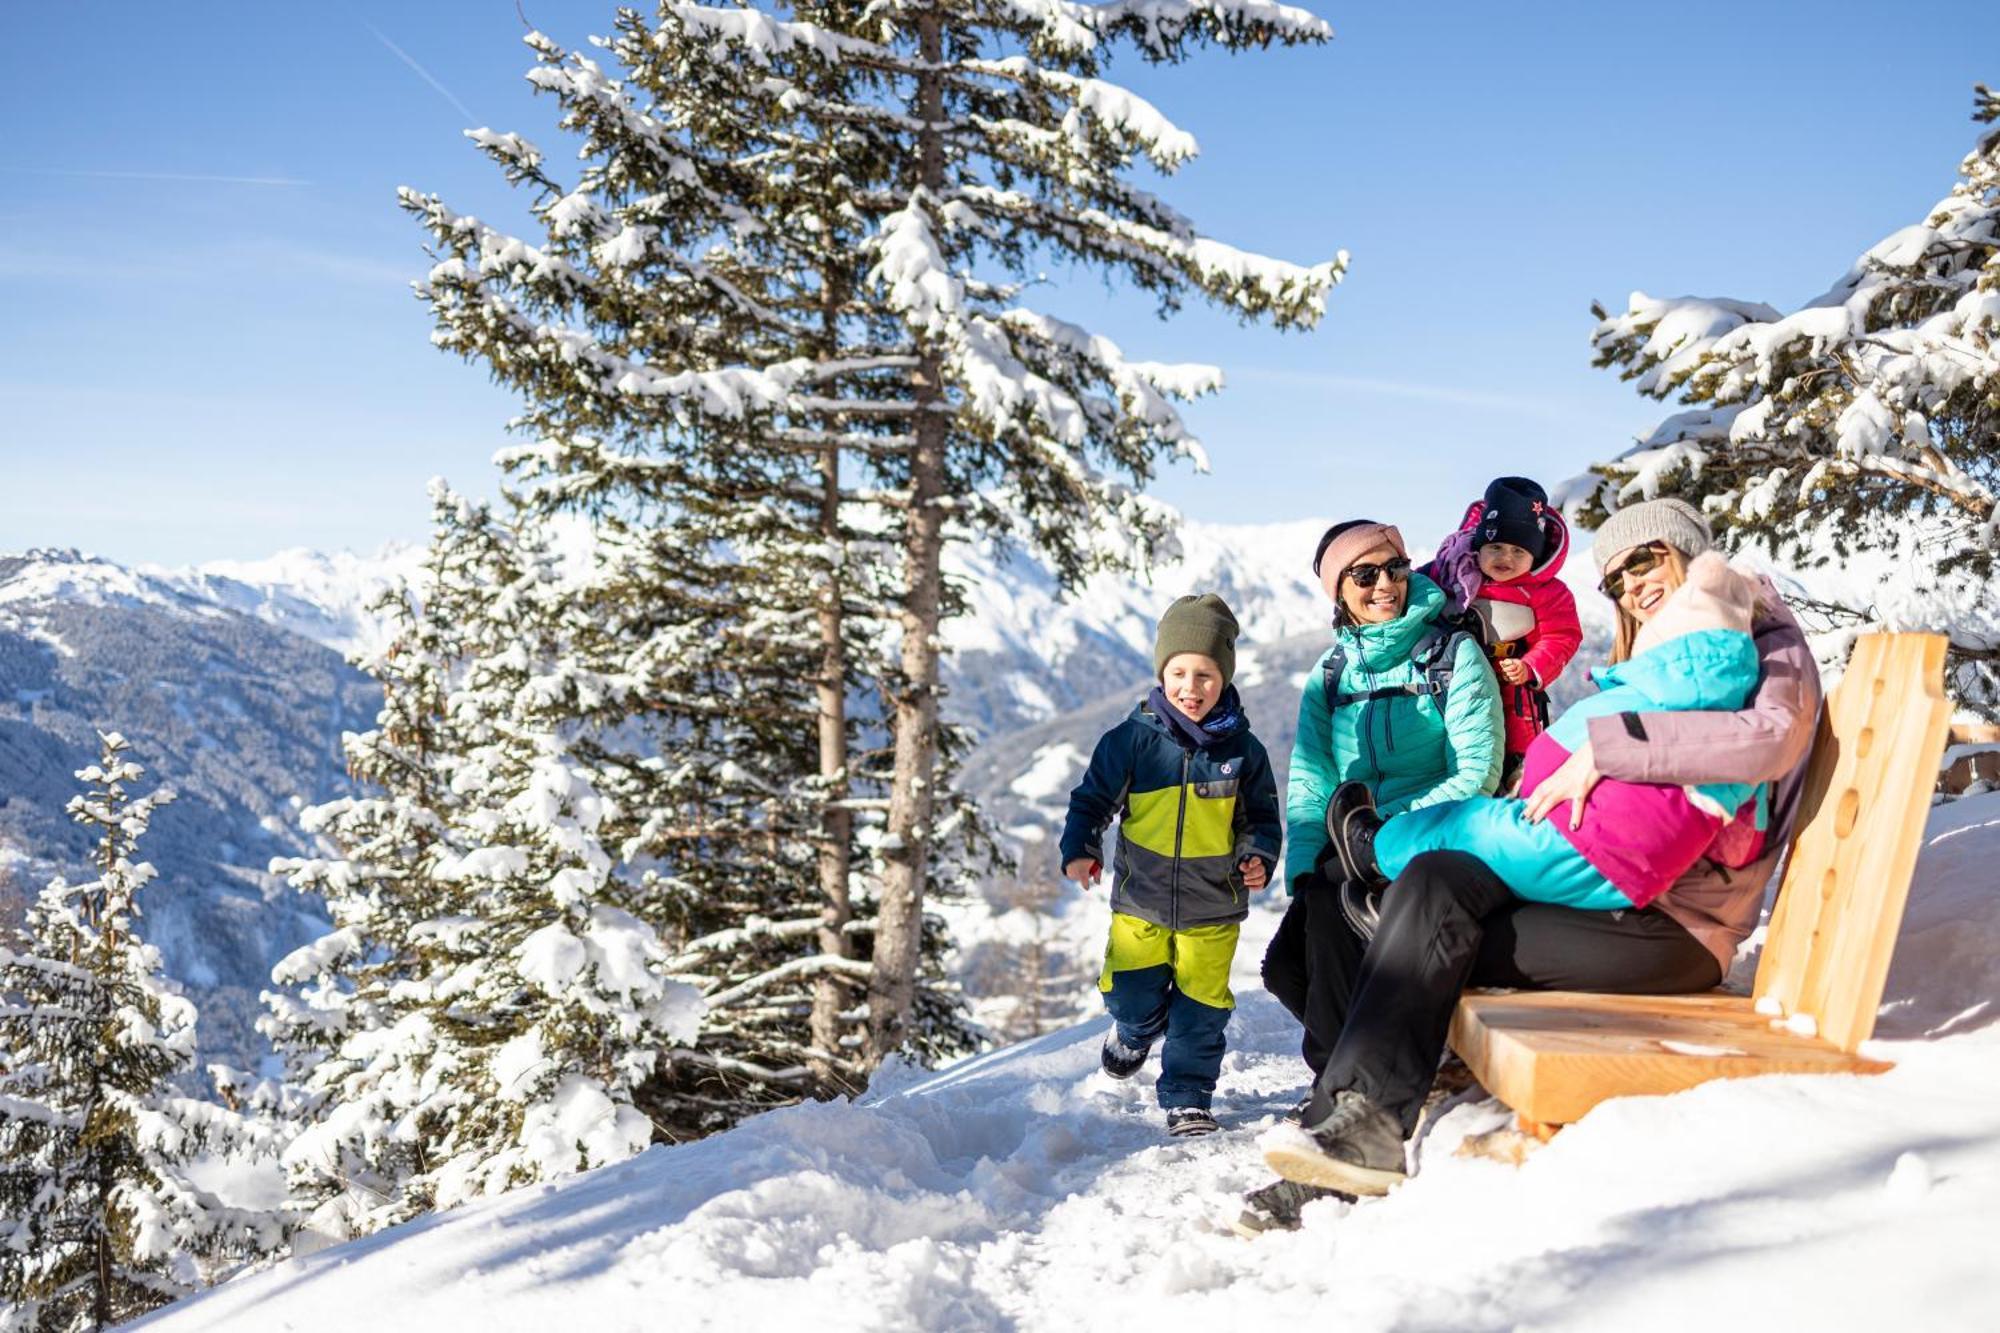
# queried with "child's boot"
point(1189, 1121)
point(1120, 1060)
point(1351, 823)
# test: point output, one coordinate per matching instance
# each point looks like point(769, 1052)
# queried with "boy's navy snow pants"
point(1174, 983)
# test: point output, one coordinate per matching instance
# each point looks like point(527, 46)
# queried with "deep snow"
point(1024, 1190)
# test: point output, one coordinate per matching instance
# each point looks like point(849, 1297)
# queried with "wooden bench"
point(1552, 1055)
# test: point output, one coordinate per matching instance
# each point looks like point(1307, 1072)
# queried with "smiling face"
point(1647, 587)
point(1501, 561)
point(1192, 683)
point(1383, 602)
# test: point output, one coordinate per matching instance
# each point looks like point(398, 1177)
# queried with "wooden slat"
point(1826, 953)
point(1553, 1055)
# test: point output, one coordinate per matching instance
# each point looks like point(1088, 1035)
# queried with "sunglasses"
point(1364, 576)
point(1639, 562)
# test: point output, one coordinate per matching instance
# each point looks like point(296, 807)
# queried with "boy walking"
point(1199, 830)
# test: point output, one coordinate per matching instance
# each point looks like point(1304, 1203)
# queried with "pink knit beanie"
point(1349, 546)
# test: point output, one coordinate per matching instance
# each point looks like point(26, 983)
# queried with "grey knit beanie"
point(1675, 522)
point(1202, 624)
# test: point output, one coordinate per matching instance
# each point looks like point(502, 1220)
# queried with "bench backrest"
point(1861, 821)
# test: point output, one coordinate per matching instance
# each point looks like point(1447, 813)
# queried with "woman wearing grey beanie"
point(1447, 921)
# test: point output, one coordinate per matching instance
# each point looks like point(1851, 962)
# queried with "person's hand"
point(1084, 870)
point(1513, 670)
point(1254, 874)
point(1571, 782)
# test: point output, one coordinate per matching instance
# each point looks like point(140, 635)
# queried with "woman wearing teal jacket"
point(1414, 714)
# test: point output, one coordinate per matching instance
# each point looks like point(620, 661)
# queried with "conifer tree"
point(1866, 420)
point(99, 1218)
point(787, 281)
point(489, 1007)
point(358, 1051)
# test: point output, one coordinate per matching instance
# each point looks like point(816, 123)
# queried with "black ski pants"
point(1376, 1014)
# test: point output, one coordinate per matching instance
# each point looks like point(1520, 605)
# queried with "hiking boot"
point(1357, 1148)
point(1360, 907)
point(1351, 822)
point(1120, 1060)
point(1279, 1206)
point(1190, 1121)
point(1297, 1115)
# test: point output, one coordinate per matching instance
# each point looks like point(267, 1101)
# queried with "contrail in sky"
point(161, 176)
point(422, 73)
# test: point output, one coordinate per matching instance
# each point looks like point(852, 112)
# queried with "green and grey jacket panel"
point(1186, 818)
point(1407, 750)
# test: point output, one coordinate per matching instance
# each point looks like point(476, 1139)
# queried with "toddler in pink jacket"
point(1503, 564)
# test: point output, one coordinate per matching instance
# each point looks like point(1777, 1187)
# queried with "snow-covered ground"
point(1024, 1190)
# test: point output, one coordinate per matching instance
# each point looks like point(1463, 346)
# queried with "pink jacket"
point(1768, 740)
point(1532, 617)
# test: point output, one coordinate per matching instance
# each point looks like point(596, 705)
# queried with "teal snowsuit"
point(1407, 752)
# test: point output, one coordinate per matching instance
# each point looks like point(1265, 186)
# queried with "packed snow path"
point(1025, 1190)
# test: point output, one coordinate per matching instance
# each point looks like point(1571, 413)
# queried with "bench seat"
point(1553, 1055)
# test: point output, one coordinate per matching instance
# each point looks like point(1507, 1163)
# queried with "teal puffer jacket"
point(1408, 753)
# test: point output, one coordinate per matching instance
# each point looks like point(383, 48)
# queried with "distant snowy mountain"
point(241, 717)
point(325, 598)
point(1026, 654)
point(1023, 654)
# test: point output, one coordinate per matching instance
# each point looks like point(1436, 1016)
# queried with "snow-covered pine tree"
point(100, 1220)
point(1866, 420)
point(489, 1008)
point(798, 243)
point(358, 1047)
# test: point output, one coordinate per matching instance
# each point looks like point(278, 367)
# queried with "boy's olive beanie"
point(1197, 624)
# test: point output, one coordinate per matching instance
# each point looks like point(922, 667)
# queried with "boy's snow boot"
point(1120, 1060)
point(1279, 1206)
point(1185, 1121)
point(1351, 822)
point(1357, 1148)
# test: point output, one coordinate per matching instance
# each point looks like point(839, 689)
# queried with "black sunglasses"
point(1639, 562)
point(1364, 576)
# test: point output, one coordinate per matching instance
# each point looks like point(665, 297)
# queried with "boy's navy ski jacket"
point(1187, 816)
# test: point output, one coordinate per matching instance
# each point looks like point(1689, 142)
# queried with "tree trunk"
point(899, 932)
point(830, 990)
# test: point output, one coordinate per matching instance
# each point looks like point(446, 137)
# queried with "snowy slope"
point(1023, 1190)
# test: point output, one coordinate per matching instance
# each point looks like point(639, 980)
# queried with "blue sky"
point(210, 350)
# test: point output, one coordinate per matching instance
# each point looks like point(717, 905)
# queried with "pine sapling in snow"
point(346, 1016)
point(490, 1006)
point(100, 1217)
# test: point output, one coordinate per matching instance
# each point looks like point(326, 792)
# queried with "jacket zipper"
point(1180, 823)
